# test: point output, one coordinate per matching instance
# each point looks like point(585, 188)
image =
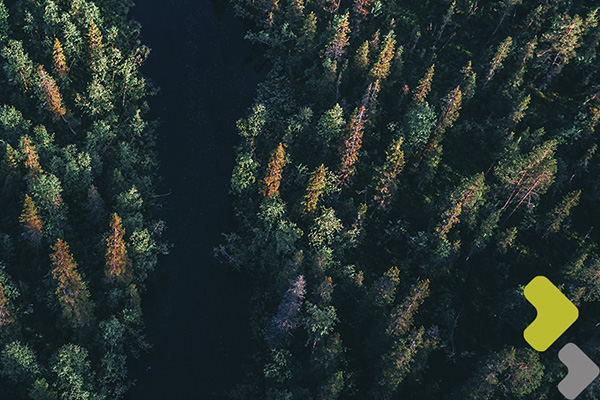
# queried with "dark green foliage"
point(75, 149)
point(464, 136)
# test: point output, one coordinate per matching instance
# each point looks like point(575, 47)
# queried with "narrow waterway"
point(195, 311)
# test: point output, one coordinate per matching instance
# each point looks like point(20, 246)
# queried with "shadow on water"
point(196, 312)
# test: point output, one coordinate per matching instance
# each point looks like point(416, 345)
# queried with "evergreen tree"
point(51, 93)
point(60, 63)
point(118, 265)
point(32, 223)
point(72, 292)
point(274, 170)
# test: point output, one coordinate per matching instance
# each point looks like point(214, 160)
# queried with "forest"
point(78, 234)
point(406, 168)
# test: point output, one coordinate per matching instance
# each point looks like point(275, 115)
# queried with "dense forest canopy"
point(407, 167)
point(77, 232)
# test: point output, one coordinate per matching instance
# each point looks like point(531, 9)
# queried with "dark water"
point(196, 312)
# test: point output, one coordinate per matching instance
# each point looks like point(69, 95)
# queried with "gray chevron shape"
point(582, 371)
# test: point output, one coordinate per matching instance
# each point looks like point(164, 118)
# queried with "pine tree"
point(361, 59)
point(11, 159)
point(336, 48)
point(386, 181)
point(402, 317)
point(562, 211)
point(469, 82)
point(353, 143)
point(60, 63)
point(381, 68)
point(5, 314)
point(424, 85)
point(528, 177)
point(560, 45)
point(288, 313)
point(118, 265)
point(466, 198)
point(274, 171)
point(502, 52)
point(450, 110)
point(72, 292)
point(31, 159)
point(52, 96)
point(32, 223)
point(94, 40)
point(519, 112)
point(315, 189)
point(18, 65)
point(384, 289)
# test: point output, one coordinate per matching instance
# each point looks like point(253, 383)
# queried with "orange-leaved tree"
point(72, 293)
point(118, 265)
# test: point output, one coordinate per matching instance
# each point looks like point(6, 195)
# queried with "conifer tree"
point(386, 181)
point(560, 45)
point(384, 289)
point(381, 68)
point(530, 176)
point(118, 265)
point(19, 66)
point(562, 211)
point(469, 82)
point(353, 143)
point(424, 85)
point(274, 171)
point(402, 316)
point(450, 110)
point(32, 223)
point(72, 292)
point(94, 40)
point(336, 48)
point(10, 159)
point(52, 96)
point(361, 59)
point(31, 159)
point(463, 200)
point(502, 52)
point(60, 63)
point(315, 189)
point(288, 313)
point(5, 314)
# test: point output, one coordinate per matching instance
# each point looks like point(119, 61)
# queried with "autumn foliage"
point(274, 171)
point(118, 265)
point(54, 100)
point(72, 292)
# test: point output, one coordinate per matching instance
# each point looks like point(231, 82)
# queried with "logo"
point(555, 314)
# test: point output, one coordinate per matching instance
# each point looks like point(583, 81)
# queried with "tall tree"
point(60, 62)
point(32, 223)
point(274, 170)
point(315, 189)
point(118, 265)
point(72, 292)
point(51, 93)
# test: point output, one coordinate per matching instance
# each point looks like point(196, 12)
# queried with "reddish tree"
point(52, 95)
point(118, 265)
point(5, 314)
point(72, 293)
point(274, 171)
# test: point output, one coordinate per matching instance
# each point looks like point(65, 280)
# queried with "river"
point(196, 312)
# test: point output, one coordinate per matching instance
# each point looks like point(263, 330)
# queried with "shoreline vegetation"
point(407, 167)
point(78, 235)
